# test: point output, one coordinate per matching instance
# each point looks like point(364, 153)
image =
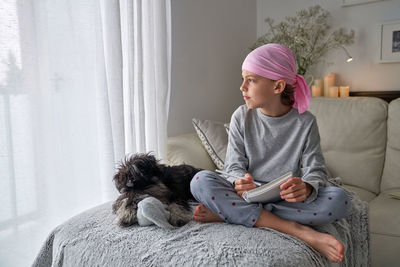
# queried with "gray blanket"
point(92, 238)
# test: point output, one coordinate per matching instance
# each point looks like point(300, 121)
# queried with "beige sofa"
point(360, 139)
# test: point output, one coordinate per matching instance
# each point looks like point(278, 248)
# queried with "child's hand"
point(294, 190)
point(244, 184)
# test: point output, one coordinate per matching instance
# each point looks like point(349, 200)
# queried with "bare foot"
point(326, 244)
point(203, 214)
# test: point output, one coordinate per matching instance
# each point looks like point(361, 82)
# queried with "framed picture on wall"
point(357, 2)
point(390, 42)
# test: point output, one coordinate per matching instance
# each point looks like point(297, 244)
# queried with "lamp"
point(349, 57)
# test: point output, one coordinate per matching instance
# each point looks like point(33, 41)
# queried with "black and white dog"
point(140, 176)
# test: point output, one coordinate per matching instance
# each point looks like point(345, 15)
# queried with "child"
point(269, 136)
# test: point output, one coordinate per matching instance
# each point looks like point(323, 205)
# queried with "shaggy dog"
point(140, 176)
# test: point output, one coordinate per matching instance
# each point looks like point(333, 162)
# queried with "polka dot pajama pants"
point(219, 195)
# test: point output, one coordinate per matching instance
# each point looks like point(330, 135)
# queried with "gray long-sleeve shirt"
point(268, 147)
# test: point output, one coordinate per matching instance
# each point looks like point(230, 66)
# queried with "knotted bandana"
point(277, 62)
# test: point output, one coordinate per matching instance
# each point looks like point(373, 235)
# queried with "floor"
point(19, 246)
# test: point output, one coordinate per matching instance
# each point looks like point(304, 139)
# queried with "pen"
point(234, 176)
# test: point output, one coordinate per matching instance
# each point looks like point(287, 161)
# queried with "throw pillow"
point(214, 138)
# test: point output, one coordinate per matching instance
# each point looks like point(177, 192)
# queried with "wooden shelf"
point(385, 95)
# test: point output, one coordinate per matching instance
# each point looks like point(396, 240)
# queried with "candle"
point(316, 90)
point(329, 80)
point(344, 91)
point(333, 91)
point(318, 82)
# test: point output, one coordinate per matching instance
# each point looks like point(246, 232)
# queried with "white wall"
point(210, 39)
point(364, 73)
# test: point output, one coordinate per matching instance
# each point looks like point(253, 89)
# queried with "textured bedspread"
point(92, 238)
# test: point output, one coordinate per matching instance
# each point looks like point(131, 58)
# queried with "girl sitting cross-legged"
point(272, 134)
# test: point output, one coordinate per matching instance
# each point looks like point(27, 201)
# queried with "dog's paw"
point(126, 214)
point(179, 215)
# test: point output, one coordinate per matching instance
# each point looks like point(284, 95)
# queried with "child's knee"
point(337, 206)
point(344, 202)
point(340, 200)
point(200, 181)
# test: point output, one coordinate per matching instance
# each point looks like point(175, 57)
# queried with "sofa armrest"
point(187, 149)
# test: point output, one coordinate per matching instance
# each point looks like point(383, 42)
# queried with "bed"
point(93, 238)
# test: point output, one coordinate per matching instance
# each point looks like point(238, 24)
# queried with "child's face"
point(258, 92)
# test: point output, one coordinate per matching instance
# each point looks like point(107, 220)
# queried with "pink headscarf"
point(276, 62)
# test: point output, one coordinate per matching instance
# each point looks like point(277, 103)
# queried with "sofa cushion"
point(391, 171)
point(214, 138)
point(384, 215)
point(362, 193)
point(353, 138)
point(188, 149)
point(384, 250)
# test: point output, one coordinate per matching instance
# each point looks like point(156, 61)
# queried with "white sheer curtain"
point(146, 42)
point(82, 83)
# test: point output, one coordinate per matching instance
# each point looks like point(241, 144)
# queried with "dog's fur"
point(140, 176)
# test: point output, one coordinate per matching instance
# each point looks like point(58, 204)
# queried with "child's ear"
point(280, 86)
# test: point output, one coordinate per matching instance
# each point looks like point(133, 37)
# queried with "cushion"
point(391, 172)
point(384, 249)
point(214, 138)
point(383, 214)
point(187, 149)
point(353, 138)
point(362, 193)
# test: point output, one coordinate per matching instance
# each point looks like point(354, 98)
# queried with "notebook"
point(269, 192)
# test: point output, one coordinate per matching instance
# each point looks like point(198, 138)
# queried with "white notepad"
point(269, 192)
